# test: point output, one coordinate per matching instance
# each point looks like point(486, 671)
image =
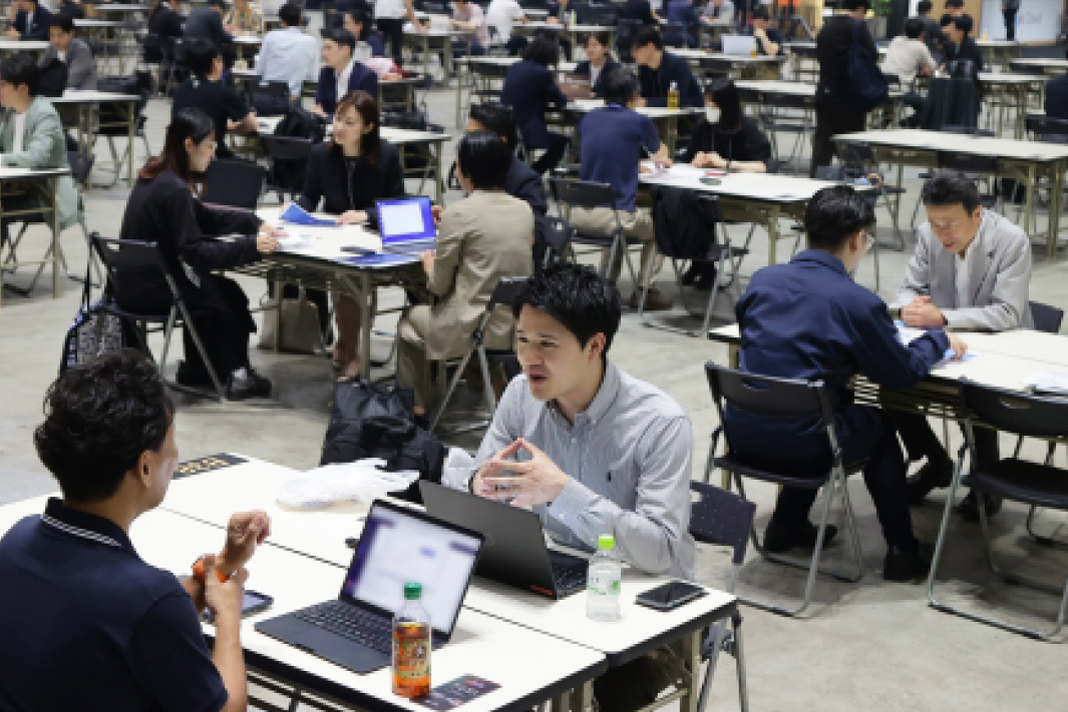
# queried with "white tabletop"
point(781, 86)
point(7, 45)
point(97, 23)
point(410, 31)
point(79, 96)
point(1040, 62)
point(321, 533)
point(964, 143)
point(248, 39)
point(750, 186)
point(509, 61)
point(560, 27)
point(1010, 78)
point(12, 173)
point(653, 112)
point(997, 43)
point(738, 58)
point(268, 124)
point(117, 7)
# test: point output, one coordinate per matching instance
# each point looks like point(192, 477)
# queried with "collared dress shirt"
point(288, 55)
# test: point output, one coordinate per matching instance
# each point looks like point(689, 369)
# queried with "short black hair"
point(913, 28)
point(361, 16)
point(647, 35)
point(63, 21)
point(485, 159)
point(341, 37)
point(200, 56)
point(619, 86)
point(835, 214)
point(578, 297)
point(955, 3)
point(951, 188)
point(856, 4)
point(497, 118)
point(924, 7)
point(290, 14)
point(544, 51)
point(100, 417)
point(219, 4)
point(21, 68)
point(761, 13)
point(963, 23)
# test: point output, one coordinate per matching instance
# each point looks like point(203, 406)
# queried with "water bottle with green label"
point(603, 581)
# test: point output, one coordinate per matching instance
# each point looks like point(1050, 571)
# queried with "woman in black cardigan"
point(348, 174)
point(164, 209)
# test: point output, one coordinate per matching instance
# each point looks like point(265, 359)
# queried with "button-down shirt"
point(289, 56)
point(628, 461)
point(343, 81)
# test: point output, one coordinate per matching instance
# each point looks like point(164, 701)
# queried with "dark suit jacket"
point(968, 51)
point(583, 68)
point(656, 83)
point(325, 180)
point(36, 28)
point(638, 10)
point(167, 23)
point(529, 88)
point(525, 184)
point(1057, 98)
point(361, 78)
point(573, 6)
point(205, 23)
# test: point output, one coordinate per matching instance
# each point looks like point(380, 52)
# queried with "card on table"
point(457, 692)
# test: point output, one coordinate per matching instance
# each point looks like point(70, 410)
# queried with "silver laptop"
point(739, 45)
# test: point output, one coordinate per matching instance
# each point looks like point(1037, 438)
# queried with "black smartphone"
point(357, 250)
point(252, 603)
point(670, 596)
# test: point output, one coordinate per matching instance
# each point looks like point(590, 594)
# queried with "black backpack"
point(685, 222)
point(52, 78)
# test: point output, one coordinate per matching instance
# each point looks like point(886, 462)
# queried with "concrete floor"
point(872, 646)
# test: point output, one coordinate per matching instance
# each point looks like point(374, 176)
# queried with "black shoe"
point(969, 507)
point(192, 378)
point(690, 275)
point(705, 281)
point(901, 565)
point(779, 539)
point(928, 478)
point(245, 383)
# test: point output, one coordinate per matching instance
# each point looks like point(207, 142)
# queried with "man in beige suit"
point(971, 271)
point(486, 236)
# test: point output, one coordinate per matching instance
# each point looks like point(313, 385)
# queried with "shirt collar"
point(978, 244)
point(344, 76)
point(824, 258)
point(602, 402)
point(85, 526)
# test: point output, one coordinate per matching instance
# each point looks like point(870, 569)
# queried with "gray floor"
point(871, 646)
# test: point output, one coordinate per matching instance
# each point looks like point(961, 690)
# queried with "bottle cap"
point(412, 591)
point(606, 542)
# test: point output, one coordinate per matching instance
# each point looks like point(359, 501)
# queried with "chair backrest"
point(129, 255)
point(722, 518)
point(969, 130)
point(582, 193)
point(81, 165)
point(967, 162)
point(773, 100)
point(1015, 411)
point(234, 183)
point(1046, 129)
point(285, 148)
point(558, 233)
point(505, 293)
point(271, 89)
point(767, 396)
point(1047, 318)
point(854, 153)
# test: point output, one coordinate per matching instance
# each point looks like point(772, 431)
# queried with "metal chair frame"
point(586, 194)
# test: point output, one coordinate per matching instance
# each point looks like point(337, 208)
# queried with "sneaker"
point(779, 539)
point(903, 566)
point(969, 506)
point(928, 478)
point(654, 301)
point(245, 383)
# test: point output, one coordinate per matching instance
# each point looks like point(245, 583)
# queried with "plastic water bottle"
point(673, 96)
point(603, 581)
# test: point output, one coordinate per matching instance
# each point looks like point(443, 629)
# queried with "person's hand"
point(957, 345)
point(230, 29)
point(553, 20)
point(640, 102)
point(494, 467)
point(662, 163)
point(757, 32)
point(224, 600)
point(12, 34)
point(437, 211)
point(318, 111)
point(420, 27)
point(266, 244)
point(536, 481)
point(352, 217)
point(701, 160)
point(717, 160)
point(925, 71)
point(275, 232)
point(427, 258)
point(922, 314)
point(246, 531)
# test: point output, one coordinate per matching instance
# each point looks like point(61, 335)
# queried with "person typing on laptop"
point(593, 450)
point(78, 605)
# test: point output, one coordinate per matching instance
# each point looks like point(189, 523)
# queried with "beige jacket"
point(482, 238)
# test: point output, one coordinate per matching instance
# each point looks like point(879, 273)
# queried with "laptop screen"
point(397, 547)
point(405, 220)
point(739, 44)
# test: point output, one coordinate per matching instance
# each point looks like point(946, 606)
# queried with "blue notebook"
point(299, 216)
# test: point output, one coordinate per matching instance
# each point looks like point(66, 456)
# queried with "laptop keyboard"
point(376, 632)
point(569, 579)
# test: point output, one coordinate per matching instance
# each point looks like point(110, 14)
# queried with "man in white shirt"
point(288, 55)
point(908, 57)
point(389, 18)
point(502, 15)
point(719, 11)
point(468, 16)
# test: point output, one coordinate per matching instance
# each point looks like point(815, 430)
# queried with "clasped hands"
point(920, 313)
point(534, 481)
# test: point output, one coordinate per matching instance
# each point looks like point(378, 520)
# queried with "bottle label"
point(603, 584)
point(411, 658)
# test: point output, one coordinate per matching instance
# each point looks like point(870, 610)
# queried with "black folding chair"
point(132, 256)
point(283, 148)
point(557, 236)
point(787, 113)
point(1038, 485)
point(1043, 128)
point(722, 518)
point(776, 399)
point(237, 184)
point(504, 295)
point(975, 167)
point(589, 195)
point(858, 155)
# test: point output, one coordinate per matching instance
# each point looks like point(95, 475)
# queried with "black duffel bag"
point(404, 446)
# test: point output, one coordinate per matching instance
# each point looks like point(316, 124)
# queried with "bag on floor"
point(404, 446)
point(93, 333)
point(867, 87)
point(297, 325)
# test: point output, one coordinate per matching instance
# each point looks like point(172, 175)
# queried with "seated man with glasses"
point(809, 320)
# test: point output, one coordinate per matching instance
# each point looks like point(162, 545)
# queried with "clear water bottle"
point(603, 581)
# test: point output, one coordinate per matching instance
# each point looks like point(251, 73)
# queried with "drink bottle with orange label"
point(411, 645)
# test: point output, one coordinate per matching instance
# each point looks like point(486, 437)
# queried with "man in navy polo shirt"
point(85, 623)
point(613, 141)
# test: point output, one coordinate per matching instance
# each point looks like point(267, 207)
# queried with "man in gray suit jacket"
point(74, 52)
point(971, 271)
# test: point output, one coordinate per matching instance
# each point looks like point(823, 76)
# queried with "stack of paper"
point(1055, 382)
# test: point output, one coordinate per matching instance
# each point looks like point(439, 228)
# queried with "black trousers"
point(832, 117)
point(393, 29)
point(553, 155)
point(921, 442)
point(914, 100)
point(1010, 24)
point(515, 45)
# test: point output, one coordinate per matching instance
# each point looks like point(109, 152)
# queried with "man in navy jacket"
point(809, 320)
point(530, 88)
point(31, 22)
point(658, 70)
point(342, 73)
point(1057, 98)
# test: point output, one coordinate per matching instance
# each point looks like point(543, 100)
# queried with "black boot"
point(928, 478)
point(902, 565)
point(969, 506)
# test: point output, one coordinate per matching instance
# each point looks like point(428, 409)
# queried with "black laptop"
point(514, 551)
point(398, 545)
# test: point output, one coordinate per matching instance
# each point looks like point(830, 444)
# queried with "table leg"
point(582, 697)
point(773, 236)
point(438, 180)
point(1055, 201)
point(55, 238)
point(426, 55)
point(561, 703)
point(461, 71)
point(448, 66)
point(130, 147)
point(1029, 205)
point(691, 645)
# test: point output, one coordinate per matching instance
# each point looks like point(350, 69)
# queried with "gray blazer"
point(1000, 277)
point(81, 67)
point(44, 145)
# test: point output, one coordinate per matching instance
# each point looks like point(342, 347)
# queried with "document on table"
point(1053, 382)
point(299, 216)
point(907, 334)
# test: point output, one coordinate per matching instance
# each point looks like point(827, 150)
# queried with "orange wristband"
point(198, 572)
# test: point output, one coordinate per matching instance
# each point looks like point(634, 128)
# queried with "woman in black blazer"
point(600, 61)
point(347, 175)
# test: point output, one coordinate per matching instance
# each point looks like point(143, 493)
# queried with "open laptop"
point(440, 23)
point(739, 45)
point(514, 552)
point(398, 545)
point(406, 225)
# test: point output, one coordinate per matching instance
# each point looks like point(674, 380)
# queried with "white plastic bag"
point(457, 469)
point(359, 481)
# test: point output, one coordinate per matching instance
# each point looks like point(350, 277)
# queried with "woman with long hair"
point(164, 208)
point(347, 175)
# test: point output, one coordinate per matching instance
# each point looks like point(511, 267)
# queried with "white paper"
point(1048, 381)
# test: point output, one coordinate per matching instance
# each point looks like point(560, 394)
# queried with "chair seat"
point(581, 238)
point(716, 252)
point(1022, 481)
point(732, 463)
point(133, 316)
point(500, 354)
